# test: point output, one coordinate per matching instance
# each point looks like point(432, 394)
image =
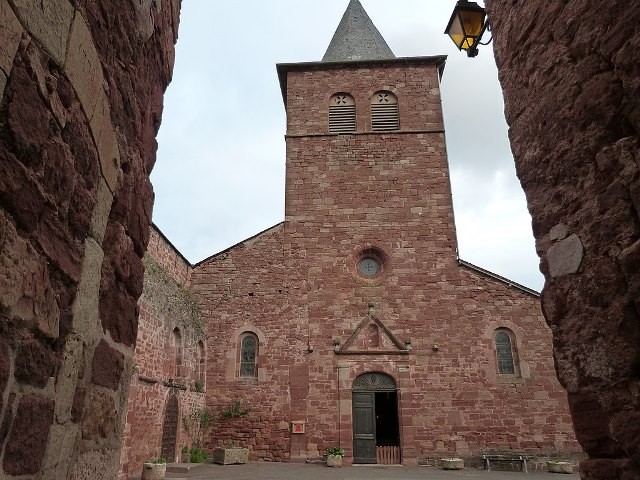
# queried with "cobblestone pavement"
point(291, 471)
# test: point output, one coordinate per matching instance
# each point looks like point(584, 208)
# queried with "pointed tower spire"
point(357, 38)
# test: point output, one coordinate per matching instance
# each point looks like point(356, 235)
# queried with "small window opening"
point(177, 348)
point(504, 353)
point(248, 355)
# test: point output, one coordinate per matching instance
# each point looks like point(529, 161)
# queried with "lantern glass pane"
point(472, 23)
point(456, 32)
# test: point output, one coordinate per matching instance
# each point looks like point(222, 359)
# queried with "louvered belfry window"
point(384, 112)
point(342, 113)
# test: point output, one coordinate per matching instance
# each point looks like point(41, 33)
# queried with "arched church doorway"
point(170, 429)
point(376, 428)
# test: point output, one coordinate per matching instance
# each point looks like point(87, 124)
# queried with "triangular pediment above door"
point(372, 337)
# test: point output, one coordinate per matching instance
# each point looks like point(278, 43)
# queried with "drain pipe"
point(339, 412)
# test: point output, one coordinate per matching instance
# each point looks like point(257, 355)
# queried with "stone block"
point(83, 66)
point(144, 16)
point(118, 314)
point(100, 217)
point(565, 257)
point(99, 421)
point(49, 22)
point(85, 306)
point(592, 426)
point(67, 379)
point(62, 249)
point(10, 35)
point(107, 366)
point(27, 114)
point(558, 232)
point(230, 456)
point(452, 463)
point(153, 471)
point(35, 363)
point(62, 442)
point(96, 465)
point(28, 437)
point(106, 142)
point(24, 282)
point(559, 467)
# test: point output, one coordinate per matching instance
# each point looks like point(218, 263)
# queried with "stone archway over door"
point(170, 429)
point(376, 431)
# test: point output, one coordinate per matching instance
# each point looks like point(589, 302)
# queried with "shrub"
point(335, 451)
point(198, 455)
point(196, 424)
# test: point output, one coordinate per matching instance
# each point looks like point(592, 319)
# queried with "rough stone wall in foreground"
point(81, 87)
point(571, 82)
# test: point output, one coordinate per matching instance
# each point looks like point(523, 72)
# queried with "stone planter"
point(334, 460)
point(185, 457)
point(559, 467)
point(154, 471)
point(452, 463)
point(230, 456)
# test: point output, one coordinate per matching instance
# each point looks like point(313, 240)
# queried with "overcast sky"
point(219, 177)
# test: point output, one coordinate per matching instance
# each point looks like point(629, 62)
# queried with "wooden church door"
point(375, 419)
point(170, 429)
point(364, 427)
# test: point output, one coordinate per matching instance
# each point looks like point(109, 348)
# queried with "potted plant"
point(154, 469)
point(334, 456)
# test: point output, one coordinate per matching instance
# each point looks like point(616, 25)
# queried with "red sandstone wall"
point(167, 257)
point(164, 305)
point(81, 87)
point(569, 71)
point(244, 289)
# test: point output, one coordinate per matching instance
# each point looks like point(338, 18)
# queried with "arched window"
point(384, 112)
point(342, 113)
point(177, 349)
point(505, 352)
point(201, 361)
point(248, 355)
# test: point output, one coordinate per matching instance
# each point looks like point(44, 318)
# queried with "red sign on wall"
point(297, 427)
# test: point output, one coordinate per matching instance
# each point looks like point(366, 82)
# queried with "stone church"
point(352, 323)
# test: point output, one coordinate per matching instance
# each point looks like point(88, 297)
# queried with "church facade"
point(353, 323)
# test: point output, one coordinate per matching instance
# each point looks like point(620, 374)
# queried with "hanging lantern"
point(466, 26)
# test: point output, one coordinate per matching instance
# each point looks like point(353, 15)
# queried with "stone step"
point(182, 467)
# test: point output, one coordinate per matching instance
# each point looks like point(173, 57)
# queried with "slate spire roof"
point(357, 38)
